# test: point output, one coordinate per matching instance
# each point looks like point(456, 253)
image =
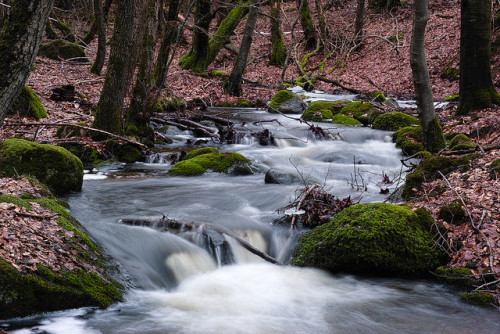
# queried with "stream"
point(194, 282)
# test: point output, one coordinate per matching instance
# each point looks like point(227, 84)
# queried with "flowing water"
point(198, 281)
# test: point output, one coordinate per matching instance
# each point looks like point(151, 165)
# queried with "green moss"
point(278, 51)
point(280, 97)
point(127, 152)
point(495, 169)
point(60, 49)
point(482, 99)
point(89, 156)
point(478, 297)
point(28, 104)
point(333, 106)
point(54, 166)
point(346, 120)
point(458, 141)
point(452, 98)
point(409, 139)
point(429, 169)
point(199, 164)
point(317, 116)
point(65, 30)
point(453, 213)
point(15, 200)
point(449, 72)
point(394, 121)
point(375, 96)
point(372, 238)
point(362, 111)
point(458, 276)
point(200, 151)
point(242, 103)
point(218, 74)
point(170, 104)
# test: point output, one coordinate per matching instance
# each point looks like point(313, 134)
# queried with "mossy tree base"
point(29, 104)
point(480, 100)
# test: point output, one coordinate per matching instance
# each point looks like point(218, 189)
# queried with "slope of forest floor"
point(382, 63)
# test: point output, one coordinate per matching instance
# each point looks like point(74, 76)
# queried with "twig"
point(302, 198)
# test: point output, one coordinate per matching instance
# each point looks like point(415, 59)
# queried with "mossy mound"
point(45, 290)
point(453, 213)
point(409, 139)
point(171, 103)
point(372, 238)
point(495, 169)
point(345, 120)
point(452, 98)
point(429, 168)
point(242, 103)
point(461, 142)
point(287, 102)
point(333, 106)
point(457, 276)
point(449, 72)
point(28, 104)
point(375, 96)
point(54, 166)
point(200, 162)
point(317, 116)
point(124, 152)
point(60, 49)
point(361, 111)
point(478, 297)
point(89, 156)
point(394, 121)
point(218, 74)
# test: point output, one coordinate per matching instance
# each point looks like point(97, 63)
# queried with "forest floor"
point(382, 63)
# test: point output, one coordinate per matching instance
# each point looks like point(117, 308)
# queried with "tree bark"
point(96, 67)
point(19, 43)
point(196, 58)
point(233, 85)
point(476, 86)
point(124, 51)
point(278, 51)
point(94, 28)
point(139, 111)
point(307, 24)
point(359, 23)
point(432, 134)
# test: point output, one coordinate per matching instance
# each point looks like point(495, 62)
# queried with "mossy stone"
point(171, 103)
point(394, 121)
point(375, 96)
point(333, 106)
point(317, 116)
point(286, 101)
point(461, 142)
point(126, 152)
point(356, 108)
point(371, 238)
point(89, 156)
point(200, 151)
point(199, 164)
point(429, 168)
point(345, 120)
point(242, 103)
point(495, 169)
point(453, 213)
point(458, 276)
point(54, 166)
point(60, 49)
point(478, 297)
point(23, 203)
point(28, 104)
point(409, 139)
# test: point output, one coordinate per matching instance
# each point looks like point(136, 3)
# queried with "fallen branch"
point(336, 83)
point(302, 198)
point(472, 150)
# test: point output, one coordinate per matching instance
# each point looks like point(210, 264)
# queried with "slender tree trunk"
point(96, 67)
point(307, 24)
point(94, 28)
point(19, 43)
point(233, 85)
point(323, 29)
point(168, 39)
point(139, 111)
point(432, 134)
point(476, 86)
point(278, 51)
point(358, 24)
point(196, 59)
point(125, 43)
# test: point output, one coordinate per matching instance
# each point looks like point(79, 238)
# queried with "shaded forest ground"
point(382, 63)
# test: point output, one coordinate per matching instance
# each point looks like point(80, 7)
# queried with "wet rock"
point(287, 102)
point(279, 176)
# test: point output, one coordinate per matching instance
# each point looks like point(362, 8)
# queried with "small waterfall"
point(187, 264)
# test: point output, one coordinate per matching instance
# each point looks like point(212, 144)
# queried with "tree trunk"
point(94, 28)
point(139, 111)
point(476, 86)
point(196, 58)
point(323, 30)
point(432, 134)
point(168, 39)
point(384, 4)
point(358, 25)
point(278, 51)
point(233, 85)
point(96, 67)
point(19, 43)
point(307, 24)
point(122, 62)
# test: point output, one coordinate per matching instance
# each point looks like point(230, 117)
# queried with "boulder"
point(345, 120)
point(54, 166)
point(60, 49)
point(287, 102)
point(373, 239)
point(409, 139)
point(394, 121)
point(279, 176)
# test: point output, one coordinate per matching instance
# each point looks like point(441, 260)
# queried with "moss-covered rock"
point(457, 276)
point(453, 213)
point(60, 49)
point(200, 162)
point(345, 120)
point(89, 156)
point(461, 142)
point(171, 103)
point(450, 72)
point(495, 169)
point(372, 238)
point(124, 152)
point(333, 106)
point(478, 297)
point(287, 102)
point(24, 293)
point(54, 166)
point(356, 108)
point(409, 139)
point(317, 116)
point(28, 104)
point(375, 96)
point(429, 168)
point(394, 121)
point(242, 103)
